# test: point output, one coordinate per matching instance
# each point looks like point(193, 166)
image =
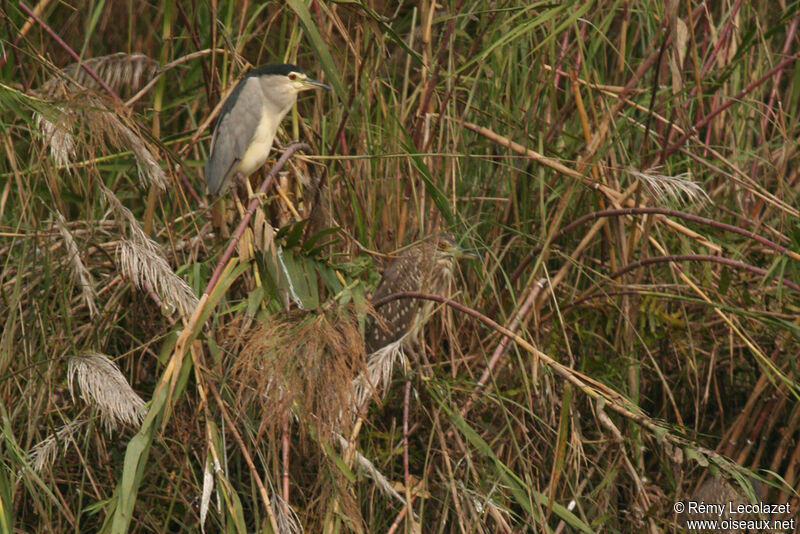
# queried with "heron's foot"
point(262, 197)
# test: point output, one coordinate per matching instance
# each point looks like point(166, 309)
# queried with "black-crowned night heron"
point(249, 119)
point(425, 267)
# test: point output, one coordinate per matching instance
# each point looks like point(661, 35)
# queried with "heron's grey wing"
point(397, 315)
point(236, 126)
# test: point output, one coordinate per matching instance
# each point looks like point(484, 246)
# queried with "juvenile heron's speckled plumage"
point(427, 267)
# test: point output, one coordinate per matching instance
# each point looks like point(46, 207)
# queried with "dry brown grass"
point(300, 365)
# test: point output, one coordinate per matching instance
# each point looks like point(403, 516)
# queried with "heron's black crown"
point(276, 68)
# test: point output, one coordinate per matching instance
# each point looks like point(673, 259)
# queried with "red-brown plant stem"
point(70, 51)
point(507, 332)
point(434, 79)
point(198, 45)
point(557, 73)
point(504, 345)
point(614, 401)
point(14, 50)
point(700, 257)
point(659, 211)
point(721, 40)
point(682, 215)
point(736, 98)
point(655, 86)
point(339, 136)
point(592, 296)
point(251, 209)
point(476, 43)
point(285, 455)
point(398, 520)
point(773, 94)
point(188, 186)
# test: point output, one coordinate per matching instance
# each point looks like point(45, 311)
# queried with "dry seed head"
point(135, 230)
point(103, 386)
point(85, 121)
point(102, 122)
point(142, 263)
point(124, 73)
point(674, 189)
point(45, 452)
point(80, 274)
point(375, 380)
point(150, 172)
point(58, 136)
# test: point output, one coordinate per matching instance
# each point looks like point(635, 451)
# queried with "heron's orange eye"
point(442, 245)
point(293, 76)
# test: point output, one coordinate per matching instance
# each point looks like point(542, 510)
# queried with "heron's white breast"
point(261, 142)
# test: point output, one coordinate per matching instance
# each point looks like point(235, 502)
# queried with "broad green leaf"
point(340, 463)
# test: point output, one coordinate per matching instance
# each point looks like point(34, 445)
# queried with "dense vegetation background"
point(627, 172)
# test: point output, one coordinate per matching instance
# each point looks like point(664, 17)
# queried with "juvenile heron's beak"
point(461, 253)
point(313, 84)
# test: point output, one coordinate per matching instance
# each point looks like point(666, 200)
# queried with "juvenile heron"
point(249, 119)
point(427, 267)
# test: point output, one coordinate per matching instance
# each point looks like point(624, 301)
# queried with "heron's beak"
point(461, 253)
point(313, 84)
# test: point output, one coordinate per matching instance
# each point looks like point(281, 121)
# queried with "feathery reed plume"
point(58, 136)
point(104, 386)
point(125, 216)
point(80, 274)
point(141, 260)
point(378, 374)
point(88, 115)
point(45, 452)
point(142, 263)
point(148, 169)
point(101, 121)
point(124, 73)
point(671, 188)
point(85, 111)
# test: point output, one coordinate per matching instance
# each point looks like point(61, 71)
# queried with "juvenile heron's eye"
point(292, 76)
